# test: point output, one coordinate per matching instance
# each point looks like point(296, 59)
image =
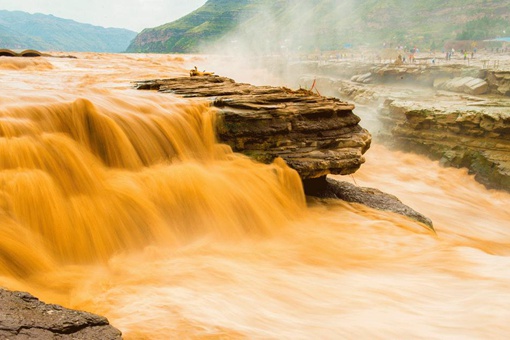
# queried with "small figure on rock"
point(399, 60)
point(196, 73)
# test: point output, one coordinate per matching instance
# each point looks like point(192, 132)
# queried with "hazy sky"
point(131, 14)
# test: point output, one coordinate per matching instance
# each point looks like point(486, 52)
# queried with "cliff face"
point(455, 113)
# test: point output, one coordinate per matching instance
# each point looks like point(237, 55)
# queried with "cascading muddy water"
point(88, 182)
point(122, 203)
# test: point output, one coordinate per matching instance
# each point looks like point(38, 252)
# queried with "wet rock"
point(329, 188)
point(23, 316)
point(315, 135)
point(362, 78)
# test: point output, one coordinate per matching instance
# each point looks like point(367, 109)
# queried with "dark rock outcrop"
point(315, 135)
point(324, 187)
point(23, 316)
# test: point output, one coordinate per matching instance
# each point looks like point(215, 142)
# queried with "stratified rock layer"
point(315, 135)
point(23, 316)
point(499, 82)
point(468, 85)
point(473, 136)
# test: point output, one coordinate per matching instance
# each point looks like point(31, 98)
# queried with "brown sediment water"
point(122, 203)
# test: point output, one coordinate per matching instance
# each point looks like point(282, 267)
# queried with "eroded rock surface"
point(23, 316)
point(315, 135)
point(468, 85)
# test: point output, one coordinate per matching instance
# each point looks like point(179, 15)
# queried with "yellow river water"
point(121, 202)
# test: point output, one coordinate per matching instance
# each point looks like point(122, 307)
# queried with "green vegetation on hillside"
point(207, 24)
point(309, 25)
point(484, 28)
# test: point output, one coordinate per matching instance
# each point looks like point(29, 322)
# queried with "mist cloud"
point(281, 27)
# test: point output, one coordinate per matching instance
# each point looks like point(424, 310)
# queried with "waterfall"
point(122, 203)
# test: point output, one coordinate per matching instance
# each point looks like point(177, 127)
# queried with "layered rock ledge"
point(22, 316)
point(315, 135)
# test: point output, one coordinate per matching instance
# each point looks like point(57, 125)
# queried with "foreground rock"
point(315, 135)
point(23, 316)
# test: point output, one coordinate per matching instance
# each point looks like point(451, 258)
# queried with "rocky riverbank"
point(456, 113)
point(469, 135)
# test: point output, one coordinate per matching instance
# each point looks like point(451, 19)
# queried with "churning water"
point(122, 203)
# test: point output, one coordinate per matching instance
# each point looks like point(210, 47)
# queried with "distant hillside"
point(208, 23)
point(21, 30)
point(327, 24)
